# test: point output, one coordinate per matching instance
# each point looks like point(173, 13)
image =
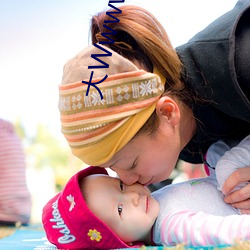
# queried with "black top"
point(217, 67)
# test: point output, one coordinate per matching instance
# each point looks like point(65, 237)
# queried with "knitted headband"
point(69, 223)
point(95, 127)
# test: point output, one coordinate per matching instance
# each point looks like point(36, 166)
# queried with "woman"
point(195, 96)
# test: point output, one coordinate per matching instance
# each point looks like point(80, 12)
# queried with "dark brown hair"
point(141, 38)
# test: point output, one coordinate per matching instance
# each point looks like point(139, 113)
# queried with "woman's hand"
point(241, 197)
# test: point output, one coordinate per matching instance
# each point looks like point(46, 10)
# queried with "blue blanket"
point(33, 238)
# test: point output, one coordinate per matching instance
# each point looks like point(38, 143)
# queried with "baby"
point(96, 211)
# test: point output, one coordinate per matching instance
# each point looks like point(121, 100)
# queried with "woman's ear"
point(168, 110)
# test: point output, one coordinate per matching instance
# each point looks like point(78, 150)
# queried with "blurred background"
point(36, 39)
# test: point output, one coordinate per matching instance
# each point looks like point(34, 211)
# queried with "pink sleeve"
point(201, 229)
point(15, 200)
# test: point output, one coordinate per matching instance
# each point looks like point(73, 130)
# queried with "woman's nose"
point(126, 177)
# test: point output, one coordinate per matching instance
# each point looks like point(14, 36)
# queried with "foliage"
point(45, 150)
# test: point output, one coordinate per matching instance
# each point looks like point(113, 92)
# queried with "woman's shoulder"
point(209, 65)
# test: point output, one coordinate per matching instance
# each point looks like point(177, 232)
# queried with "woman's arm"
point(231, 162)
point(233, 175)
point(237, 157)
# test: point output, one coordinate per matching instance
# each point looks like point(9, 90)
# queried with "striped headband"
point(96, 128)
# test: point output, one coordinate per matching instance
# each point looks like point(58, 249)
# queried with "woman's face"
point(148, 159)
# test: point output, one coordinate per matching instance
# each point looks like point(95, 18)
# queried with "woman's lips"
point(148, 183)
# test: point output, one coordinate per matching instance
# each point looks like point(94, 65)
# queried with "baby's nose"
point(133, 197)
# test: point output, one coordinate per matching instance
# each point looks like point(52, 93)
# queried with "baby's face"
point(130, 211)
